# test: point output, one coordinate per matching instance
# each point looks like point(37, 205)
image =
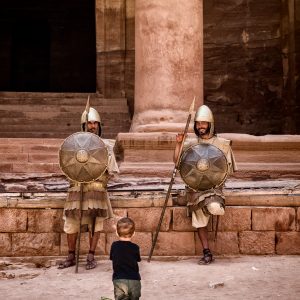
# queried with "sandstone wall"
point(249, 72)
point(254, 223)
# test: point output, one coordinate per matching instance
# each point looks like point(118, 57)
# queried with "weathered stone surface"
point(243, 64)
point(26, 244)
point(146, 219)
point(5, 244)
point(288, 243)
point(45, 220)
point(273, 218)
point(227, 243)
point(257, 242)
point(110, 224)
point(235, 219)
point(181, 222)
point(175, 243)
point(144, 240)
point(84, 244)
point(13, 220)
point(166, 84)
point(298, 219)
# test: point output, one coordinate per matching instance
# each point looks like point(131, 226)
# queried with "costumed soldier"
point(95, 202)
point(206, 201)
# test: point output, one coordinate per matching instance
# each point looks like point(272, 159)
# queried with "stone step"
point(9, 106)
point(245, 170)
point(63, 101)
point(58, 124)
point(52, 112)
point(57, 115)
point(47, 94)
point(52, 134)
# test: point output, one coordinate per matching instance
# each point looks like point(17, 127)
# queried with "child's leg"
point(134, 289)
point(121, 289)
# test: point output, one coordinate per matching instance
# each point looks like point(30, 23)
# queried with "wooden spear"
point(87, 110)
point(172, 179)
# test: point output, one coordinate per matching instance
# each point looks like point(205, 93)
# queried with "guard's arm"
point(179, 139)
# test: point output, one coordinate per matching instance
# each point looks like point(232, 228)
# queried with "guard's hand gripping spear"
point(172, 179)
point(87, 110)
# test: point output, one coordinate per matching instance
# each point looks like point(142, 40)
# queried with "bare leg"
point(71, 238)
point(207, 256)
point(94, 240)
point(203, 236)
point(70, 260)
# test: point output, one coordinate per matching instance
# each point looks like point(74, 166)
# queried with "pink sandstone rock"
point(257, 242)
point(235, 219)
point(175, 243)
point(13, 220)
point(45, 220)
point(169, 68)
point(181, 222)
point(298, 219)
point(5, 244)
point(273, 218)
point(288, 243)
point(146, 219)
point(35, 244)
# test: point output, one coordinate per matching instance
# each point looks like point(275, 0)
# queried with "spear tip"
point(192, 106)
point(87, 107)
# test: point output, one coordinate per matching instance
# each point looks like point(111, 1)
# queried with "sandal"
point(207, 258)
point(69, 262)
point(91, 263)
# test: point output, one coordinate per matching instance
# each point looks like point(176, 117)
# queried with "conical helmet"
point(90, 114)
point(93, 116)
point(205, 114)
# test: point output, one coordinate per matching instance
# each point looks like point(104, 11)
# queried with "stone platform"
point(264, 219)
point(257, 157)
point(263, 198)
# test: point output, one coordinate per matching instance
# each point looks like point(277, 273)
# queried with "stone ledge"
point(252, 197)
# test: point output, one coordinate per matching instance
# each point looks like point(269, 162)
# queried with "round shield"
point(83, 157)
point(203, 166)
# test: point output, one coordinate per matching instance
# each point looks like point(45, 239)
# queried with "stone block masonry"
point(254, 223)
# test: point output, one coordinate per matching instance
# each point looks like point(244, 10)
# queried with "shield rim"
point(106, 164)
point(216, 186)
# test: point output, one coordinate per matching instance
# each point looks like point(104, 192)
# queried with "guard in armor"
point(205, 163)
point(95, 205)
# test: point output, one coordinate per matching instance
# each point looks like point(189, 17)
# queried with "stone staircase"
point(57, 115)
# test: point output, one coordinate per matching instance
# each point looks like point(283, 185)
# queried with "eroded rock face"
point(246, 81)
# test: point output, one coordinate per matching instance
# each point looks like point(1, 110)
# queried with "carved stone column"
point(168, 63)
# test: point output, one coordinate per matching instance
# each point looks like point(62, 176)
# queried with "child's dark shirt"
point(125, 256)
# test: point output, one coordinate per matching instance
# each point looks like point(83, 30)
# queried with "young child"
point(125, 256)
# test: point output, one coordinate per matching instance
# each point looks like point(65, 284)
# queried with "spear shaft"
point(87, 109)
point(172, 180)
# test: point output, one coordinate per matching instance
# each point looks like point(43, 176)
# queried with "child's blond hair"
point(125, 227)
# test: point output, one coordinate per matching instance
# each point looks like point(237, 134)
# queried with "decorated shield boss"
point(203, 166)
point(83, 157)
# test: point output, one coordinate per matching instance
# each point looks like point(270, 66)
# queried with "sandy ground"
point(246, 277)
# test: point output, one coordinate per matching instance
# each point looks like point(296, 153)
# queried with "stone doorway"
point(48, 46)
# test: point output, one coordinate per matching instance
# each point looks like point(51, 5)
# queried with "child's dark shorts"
point(127, 289)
